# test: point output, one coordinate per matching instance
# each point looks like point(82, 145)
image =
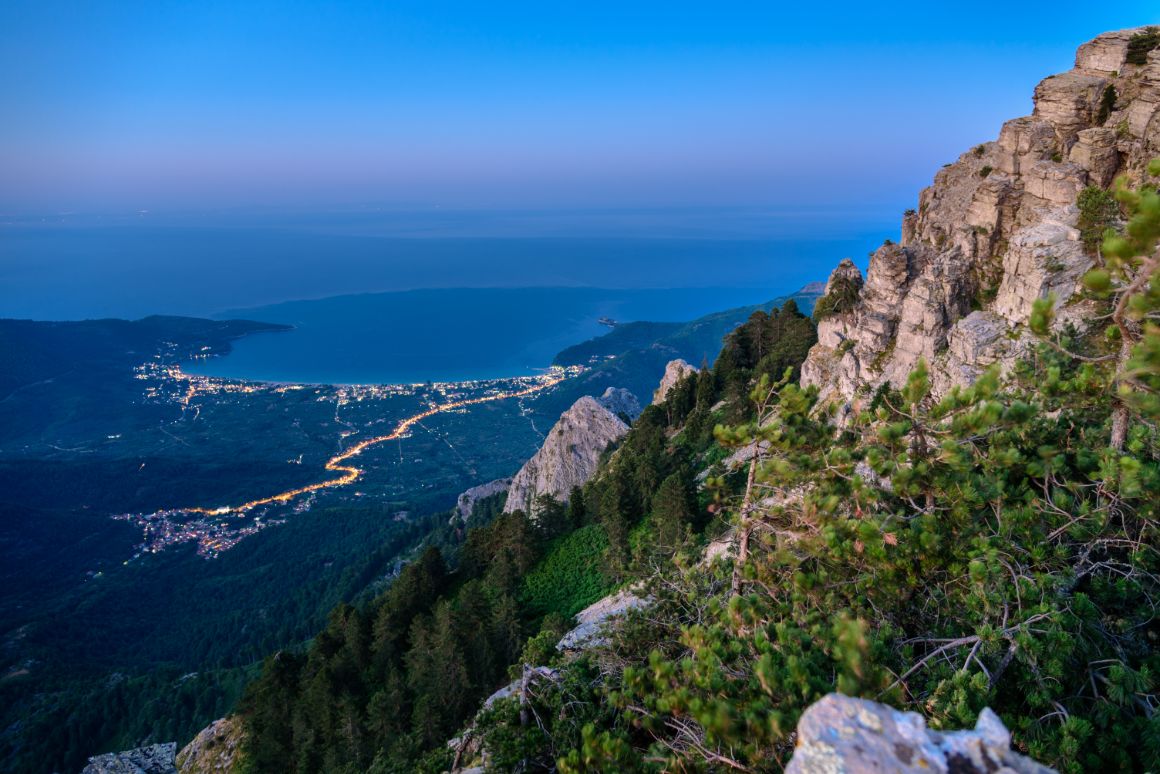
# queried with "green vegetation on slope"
point(386, 684)
point(569, 577)
point(997, 547)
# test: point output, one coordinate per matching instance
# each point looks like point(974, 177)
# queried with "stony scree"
point(675, 371)
point(855, 736)
point(154, 759)
point(994, 232)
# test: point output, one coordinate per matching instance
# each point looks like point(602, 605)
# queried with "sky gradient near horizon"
point(124, 106)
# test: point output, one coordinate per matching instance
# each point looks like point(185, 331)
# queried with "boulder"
point(620, 402)
point(1107, 53)
point(592, 621)
point(467, 500)
point(856, 736)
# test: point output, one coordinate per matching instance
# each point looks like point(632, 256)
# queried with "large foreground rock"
point(154, 759)
point(855, 736)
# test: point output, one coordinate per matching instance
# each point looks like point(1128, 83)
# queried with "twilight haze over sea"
point(192, 158)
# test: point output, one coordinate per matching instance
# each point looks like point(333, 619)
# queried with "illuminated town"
point(215, 529)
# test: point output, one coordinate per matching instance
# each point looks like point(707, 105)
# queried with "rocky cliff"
point(675, 371)
point(998, 229)
point(572, 449)
point(467, 500)
point(216, 749)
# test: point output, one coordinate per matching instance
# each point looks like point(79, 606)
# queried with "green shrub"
point(1107, 105)
point(1142, 43)
point(1098, 212)
point(569, 577)
point(841, 298)
point(986, 170)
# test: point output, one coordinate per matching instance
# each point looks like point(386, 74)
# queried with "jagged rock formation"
point(675, 371)
point(154, 759)
point(570, 453)
point(855, 736)
point(996, 231)
point(620, 402)
point(215, 749)
point(467, 500)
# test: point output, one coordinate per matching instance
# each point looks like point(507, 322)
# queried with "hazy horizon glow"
point(176, 106)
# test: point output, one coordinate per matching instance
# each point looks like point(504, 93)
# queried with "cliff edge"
point(998, 229)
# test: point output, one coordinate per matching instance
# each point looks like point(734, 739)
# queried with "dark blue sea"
point(447, 334)
point(409, 297)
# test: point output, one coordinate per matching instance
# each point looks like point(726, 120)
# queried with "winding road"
point(349, 473)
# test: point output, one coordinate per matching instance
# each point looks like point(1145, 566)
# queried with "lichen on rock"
point(855, 736)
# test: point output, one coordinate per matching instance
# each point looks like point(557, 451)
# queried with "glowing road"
point(349, 473)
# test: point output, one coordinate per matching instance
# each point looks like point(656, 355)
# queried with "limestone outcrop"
point(856, 736)
point(592, 621)
point(996, 231)
point(675, 371)
point(153, 759)
point(215, 750)
point(468, 499)
point(620, 402)
point(571, 451)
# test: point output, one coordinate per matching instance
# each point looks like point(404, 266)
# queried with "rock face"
point(855, 736)
point(570, 453)
point(592, 620)
point(467, 500)
point(995, 231)
point(620, 402)
point(154, 759)
point(215, 750)
point(675, 371)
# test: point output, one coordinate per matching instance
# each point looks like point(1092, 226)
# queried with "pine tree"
point(672, 512)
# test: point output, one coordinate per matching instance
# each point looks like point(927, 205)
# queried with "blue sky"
point(119, 106)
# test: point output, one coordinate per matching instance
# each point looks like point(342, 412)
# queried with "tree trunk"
point(1119, 407)
point(743, 525)
point(524, 697)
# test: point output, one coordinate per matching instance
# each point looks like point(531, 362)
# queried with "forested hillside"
point(385, 685)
